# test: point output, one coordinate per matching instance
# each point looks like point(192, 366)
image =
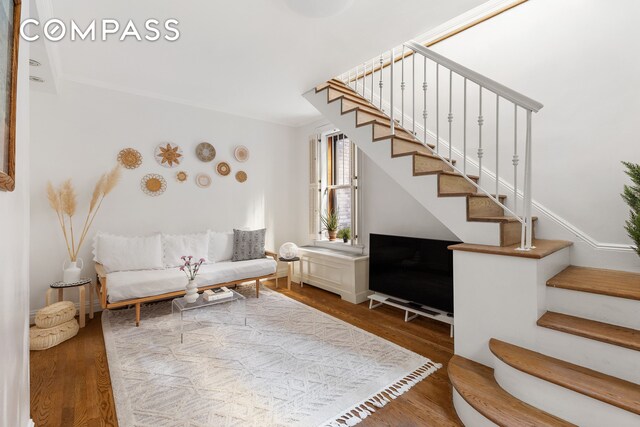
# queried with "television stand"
point(410, 307)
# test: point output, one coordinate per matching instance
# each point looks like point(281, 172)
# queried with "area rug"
point(291, 365)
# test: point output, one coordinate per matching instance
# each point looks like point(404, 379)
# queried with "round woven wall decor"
point(223, 168)
point(153, 184)
point(182, 176)
point(241, 176)
point(130, 158)
point(241, 153)
point(168, 155)
point(205, 152)
point(203, 180)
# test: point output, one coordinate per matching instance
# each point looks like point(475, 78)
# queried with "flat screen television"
point(416, 270)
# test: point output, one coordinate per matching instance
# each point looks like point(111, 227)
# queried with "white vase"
point(71, 273)
point(192, 292)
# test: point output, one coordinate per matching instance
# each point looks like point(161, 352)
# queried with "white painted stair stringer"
point(609, 359)
point(451, 211)
point(602, 308)
point(562, 402)
point(468, 414)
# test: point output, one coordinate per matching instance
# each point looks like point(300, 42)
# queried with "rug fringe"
point(359, 412)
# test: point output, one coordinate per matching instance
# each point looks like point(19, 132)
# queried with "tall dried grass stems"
point(63, 201)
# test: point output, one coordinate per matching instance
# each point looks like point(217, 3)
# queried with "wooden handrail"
point(446, 36)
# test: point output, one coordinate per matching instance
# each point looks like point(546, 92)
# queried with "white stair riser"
point(451, 211)
point(468, 415)
point(606, 358)
point(559, 401)
point(603, 308)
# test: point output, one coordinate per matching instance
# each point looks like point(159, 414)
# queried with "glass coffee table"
point(224, 311)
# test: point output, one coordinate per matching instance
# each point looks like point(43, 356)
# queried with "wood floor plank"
point(75, 374)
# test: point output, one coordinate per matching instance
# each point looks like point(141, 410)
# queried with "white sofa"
point(135, 270)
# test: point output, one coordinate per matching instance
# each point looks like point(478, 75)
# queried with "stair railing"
point(363, 79)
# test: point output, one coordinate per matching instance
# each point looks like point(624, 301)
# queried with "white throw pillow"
point(122, 253)
point(220, 246)
point(176, 246)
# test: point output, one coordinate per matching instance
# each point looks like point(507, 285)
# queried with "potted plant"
point(191, 269)
point(330, 222)
point(631, 195)
point(345, 234)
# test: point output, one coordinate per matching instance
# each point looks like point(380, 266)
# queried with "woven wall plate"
point(182, 176)
point(203, 180)
point(168, 155)
point(205, 152)
point(153, 184)
point(223, 168)
point(241, 176)
point(241, 153)
point(130, 158)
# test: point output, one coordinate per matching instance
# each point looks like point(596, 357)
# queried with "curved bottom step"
point(477, 387)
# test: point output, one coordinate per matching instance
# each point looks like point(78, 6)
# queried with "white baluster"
point(450, 115)
point(424, 100)
point(464, 130)
point(364, 75)
point(381, 84)
point(480, 123)
point(413, 92)
point(402, 87)
point(392, 65)
point(437, 108)
point(527, 179)
point(515, 160)
point(497, 144)
point(373, 68)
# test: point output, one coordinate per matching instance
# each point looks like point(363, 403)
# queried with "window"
point(333, 183)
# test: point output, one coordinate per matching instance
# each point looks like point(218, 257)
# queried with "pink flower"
point(183, 257)
point(182, 268)
point(190, 257)
point(201, 260)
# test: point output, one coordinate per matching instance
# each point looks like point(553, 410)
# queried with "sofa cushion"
point(220, 246)
point(138, 284)
point(178, 245)
point(248, 244)
point(120, 253)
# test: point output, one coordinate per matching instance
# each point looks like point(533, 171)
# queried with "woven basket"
point(55, 314)
point(42, 339)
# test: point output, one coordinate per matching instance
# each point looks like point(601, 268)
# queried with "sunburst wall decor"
point(168, 155)
point(130, 158)
point(153, 184)
point(182, 176)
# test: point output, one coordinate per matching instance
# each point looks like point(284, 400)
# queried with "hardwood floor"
point(70, 383)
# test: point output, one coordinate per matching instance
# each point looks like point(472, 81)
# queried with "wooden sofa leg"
point(257, 288)
point(138, 314)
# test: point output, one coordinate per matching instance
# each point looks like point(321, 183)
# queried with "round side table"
point(289, 262)
point(80, 284)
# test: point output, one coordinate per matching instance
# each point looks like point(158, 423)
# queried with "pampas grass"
point(64, 202)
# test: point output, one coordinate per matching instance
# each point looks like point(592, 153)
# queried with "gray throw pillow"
point(248, 244)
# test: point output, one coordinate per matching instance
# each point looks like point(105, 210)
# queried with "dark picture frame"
point(9, 41)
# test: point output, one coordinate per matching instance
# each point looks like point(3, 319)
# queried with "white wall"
point(14, 268)
point(78, 133)
point(386, 207)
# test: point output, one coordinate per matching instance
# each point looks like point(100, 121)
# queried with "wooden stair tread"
point(599, 331)
point(473, 177)
point(432, 156)
point(614, 283)
point(503, 218)
point(500, 196)
point(478, 387)
point(542, 248)
point(608, 389)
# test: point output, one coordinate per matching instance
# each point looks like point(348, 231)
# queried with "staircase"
point(568, 352)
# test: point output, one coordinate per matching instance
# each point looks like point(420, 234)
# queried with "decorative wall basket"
point(168, 155)
point(241, 153)
point(203, 180)
point(182, 176)
point(241, 176)
point(205, 152)
point(153, 184)
point(130, 158)
point(223, 168)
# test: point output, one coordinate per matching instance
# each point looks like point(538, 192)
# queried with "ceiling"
point(252, 58)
